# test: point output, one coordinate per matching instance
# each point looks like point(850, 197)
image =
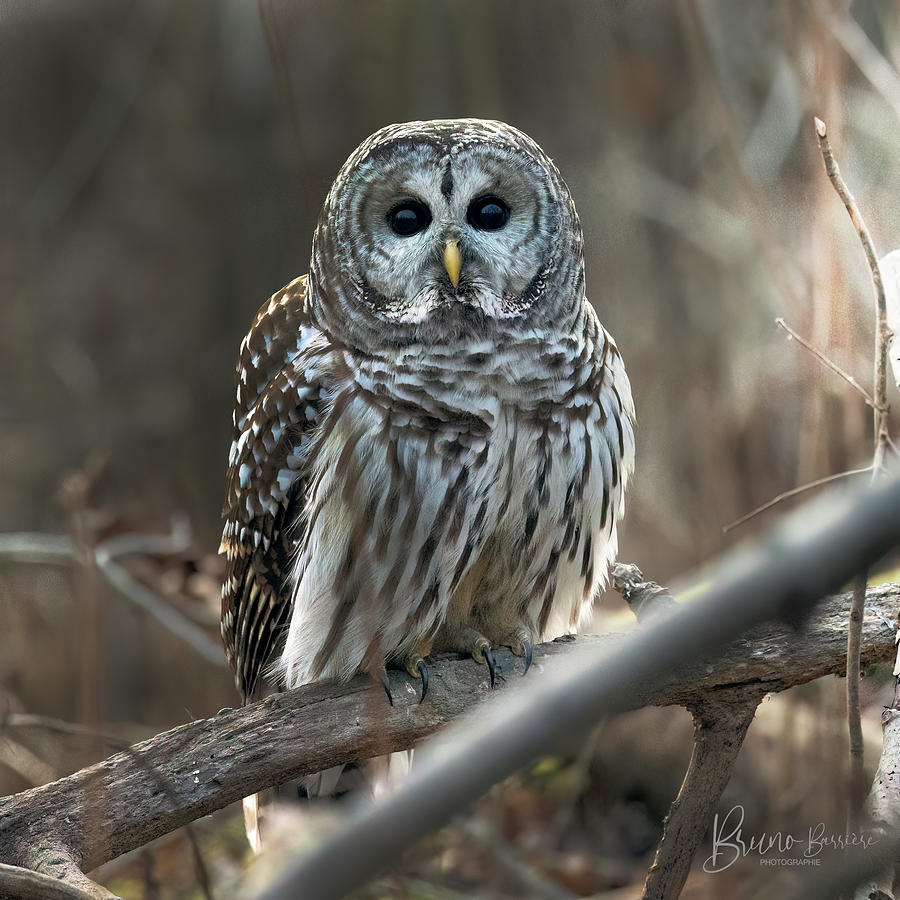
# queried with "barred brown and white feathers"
point(433, 436)
point(276, 408)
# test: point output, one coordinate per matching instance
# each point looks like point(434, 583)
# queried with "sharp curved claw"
point(423, 674)
point(386, 682)
point(529, 654)
point(492, 666)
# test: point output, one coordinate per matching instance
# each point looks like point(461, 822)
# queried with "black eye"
point(409, 217)
point(488, 213)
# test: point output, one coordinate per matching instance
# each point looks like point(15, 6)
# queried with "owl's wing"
point(278, 394)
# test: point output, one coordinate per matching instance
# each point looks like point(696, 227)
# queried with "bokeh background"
point(161, 169)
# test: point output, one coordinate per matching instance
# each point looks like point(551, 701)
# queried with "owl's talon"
point(423, 674)
point(519, 641)
point(488, 655)
point(386, 683)
point(467, 640)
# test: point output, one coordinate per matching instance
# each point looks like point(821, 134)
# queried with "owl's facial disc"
point(444, 232)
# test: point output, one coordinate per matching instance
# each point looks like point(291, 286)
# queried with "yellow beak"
point(452, 260)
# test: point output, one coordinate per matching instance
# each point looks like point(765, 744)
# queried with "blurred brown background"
point(161, 168)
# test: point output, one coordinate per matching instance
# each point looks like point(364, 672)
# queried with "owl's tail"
point(251, 822)
point(381, 775)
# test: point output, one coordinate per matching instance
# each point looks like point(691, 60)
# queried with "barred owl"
point(433, 432)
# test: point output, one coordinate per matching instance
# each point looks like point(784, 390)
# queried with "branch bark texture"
point(183, 774)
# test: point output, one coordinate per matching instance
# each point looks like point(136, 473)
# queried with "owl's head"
point(446, 230)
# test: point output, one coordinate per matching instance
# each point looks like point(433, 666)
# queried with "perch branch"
point(288, 735)
point(210, 763)
point(309, 729)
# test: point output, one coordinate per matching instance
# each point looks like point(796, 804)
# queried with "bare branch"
point(882, 333)
point(24, 884)
point(646, 599)
point(720, 725)
point(287, 735)
point(883, 805)
point(882, 442)
point(793, 492)
point(176, 777)
point(826, 361)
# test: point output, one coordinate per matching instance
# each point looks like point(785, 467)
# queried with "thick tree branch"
point(210, 763)
point(720, 725)
point(24, 884)
point(883, 804)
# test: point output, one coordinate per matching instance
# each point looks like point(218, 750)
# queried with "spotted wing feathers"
point(277, 405)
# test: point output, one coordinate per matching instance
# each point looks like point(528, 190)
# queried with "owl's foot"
point(414, 664)
point(468, 640)
point(416, 667)
point(520, 642)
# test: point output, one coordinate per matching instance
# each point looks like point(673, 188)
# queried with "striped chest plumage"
point(477, 486)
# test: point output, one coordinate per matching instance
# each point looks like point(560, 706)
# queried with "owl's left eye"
point(488, 213)
point(409, 217)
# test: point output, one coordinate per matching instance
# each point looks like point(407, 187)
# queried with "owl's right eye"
point(408, 218)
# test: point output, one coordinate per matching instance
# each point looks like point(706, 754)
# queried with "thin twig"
point(882, 332)
point(882, 441)
point(793, 493)
point(827, 362)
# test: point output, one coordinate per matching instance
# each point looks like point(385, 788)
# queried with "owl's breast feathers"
point(372, 500)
